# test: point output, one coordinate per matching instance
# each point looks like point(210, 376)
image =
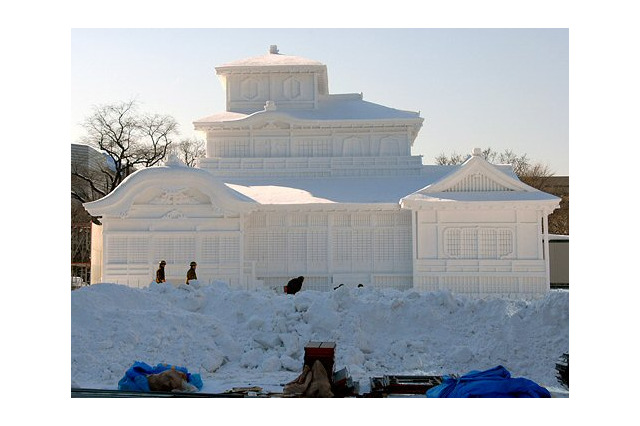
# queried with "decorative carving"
point(174, 214)
point(249, 88)
point(175, 197)
point(292, 88)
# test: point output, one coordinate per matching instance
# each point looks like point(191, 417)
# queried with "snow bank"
point(241, 338)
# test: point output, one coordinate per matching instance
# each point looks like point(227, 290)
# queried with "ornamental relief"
point(174, 214)
point(175, 196)
point(249, 88)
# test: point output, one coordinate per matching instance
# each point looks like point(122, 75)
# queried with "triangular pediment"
point(477, 175)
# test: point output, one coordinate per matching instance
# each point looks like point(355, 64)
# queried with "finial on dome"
point(477, 152)
point(270, 106)
point(273, 49)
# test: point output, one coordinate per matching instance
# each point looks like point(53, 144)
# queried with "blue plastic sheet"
point(135, 378)
point(493, 383)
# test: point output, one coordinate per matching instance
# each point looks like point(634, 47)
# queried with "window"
point(478, 243)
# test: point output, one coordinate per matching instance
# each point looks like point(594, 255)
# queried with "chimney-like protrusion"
point(273, 49)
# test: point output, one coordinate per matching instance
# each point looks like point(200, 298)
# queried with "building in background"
point(86, 160)
point(299, 181)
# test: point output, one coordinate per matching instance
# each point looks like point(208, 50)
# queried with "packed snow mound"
point(235, 337)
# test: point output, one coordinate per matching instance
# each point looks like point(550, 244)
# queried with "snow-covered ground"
point(256, 338)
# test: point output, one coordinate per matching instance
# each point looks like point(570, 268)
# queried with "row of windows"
point(179, 249)
point(281, 147)
point(387, 219)
point(348, 247)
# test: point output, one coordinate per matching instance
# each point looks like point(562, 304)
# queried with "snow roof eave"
point(219, 120)
point(327, 206)
point(488, 199)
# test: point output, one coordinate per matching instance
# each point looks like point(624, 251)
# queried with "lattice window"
point(257, 246)
point(318, 220)
point(403, 242)
point(478, 243)
point(403, 219)
point(276, 219)
point(322, 148)
point(298, 219)
point(361, 245)
point(117, 250)
point(184, 249)
point(505, 242)
point(138, 250)
point(342, 219)
point(343, 252)
point(385, 219)
point(317, 247)
point(233, 148)
point(297, 246)
point(163, 248)
point(384, 245)
point(229, 249)
point(258, 220)
point(128, 250)
point(210, 250)
point(487, 244)
point(179, 249)
point(305, 148)
point(361, 219)
point(277, 245)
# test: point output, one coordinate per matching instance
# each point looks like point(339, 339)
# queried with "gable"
point(171, 193)
point(477, 175)
point(477, 182)
point(482, 183)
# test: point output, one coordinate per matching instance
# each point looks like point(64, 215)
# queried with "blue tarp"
point(135, 378)
point(493, 383)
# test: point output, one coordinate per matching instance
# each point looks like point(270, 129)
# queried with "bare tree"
point(526, 171)
point(189, 150)
point(130, 140)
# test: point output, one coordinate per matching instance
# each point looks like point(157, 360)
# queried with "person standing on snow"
point(160, 272)
point(294, 285)
point(191, 273)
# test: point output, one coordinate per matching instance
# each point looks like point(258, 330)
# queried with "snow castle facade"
point(298, 181)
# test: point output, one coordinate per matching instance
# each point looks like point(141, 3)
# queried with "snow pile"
point(241, 338)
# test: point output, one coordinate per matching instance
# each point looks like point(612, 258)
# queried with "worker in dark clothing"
point(294, 285)
point(191, 273)
point(160, 272)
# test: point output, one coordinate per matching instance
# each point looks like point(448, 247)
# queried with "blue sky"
point(499, 88)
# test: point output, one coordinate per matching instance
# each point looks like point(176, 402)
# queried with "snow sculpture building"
point(298, 181)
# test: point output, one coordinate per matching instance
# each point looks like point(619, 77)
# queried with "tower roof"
point(274, 61)
point(271, 59)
